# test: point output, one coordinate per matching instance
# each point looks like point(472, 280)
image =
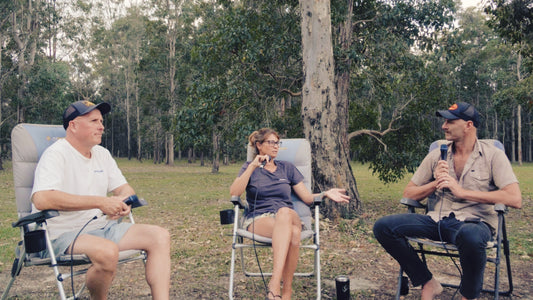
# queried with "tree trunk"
point(519, 109)
point(174, 10)
point(513, 137)
point(170, 150)
point(323, 115)
point(138, 123)
point(216, 152)
point(519, 132)
point(127, 108)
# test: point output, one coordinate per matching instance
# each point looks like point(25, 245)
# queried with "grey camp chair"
point(297, 151)
point(28, 141)
point(429, 247)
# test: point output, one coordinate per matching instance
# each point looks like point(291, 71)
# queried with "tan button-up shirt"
point(487, 169)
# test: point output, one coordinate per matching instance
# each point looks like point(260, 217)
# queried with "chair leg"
point(318, 280)
point(403, 285)
point(507, 253)
point(231, 273)
point(15, 271)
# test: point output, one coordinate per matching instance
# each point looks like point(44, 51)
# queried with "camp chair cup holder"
point(35, 241)
point(227, 216)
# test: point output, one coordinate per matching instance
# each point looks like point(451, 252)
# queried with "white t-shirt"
point(63, 168)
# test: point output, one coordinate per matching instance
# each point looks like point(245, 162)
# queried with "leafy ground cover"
point(187, 199)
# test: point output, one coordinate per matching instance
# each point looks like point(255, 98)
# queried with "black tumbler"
point(342, 283)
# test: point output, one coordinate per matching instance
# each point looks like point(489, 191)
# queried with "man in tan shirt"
point(475, 176)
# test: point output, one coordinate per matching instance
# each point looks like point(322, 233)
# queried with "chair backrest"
point(298, 152)
point(28, 142)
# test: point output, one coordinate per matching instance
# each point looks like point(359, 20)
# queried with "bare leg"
point(282, 237)
point(104, 257)
point(291, 261)
point(431, 289)
point(156, 242)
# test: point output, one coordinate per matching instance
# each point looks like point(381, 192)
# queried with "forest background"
point(193, 79)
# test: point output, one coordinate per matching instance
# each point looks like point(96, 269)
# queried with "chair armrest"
point(37, 217)
point(236, 200)
point(411, 204)
point(317, 200)
point(500, 208)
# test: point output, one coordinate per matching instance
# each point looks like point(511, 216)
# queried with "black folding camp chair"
point(297, 151)
point(430, 247)
point(28, 142)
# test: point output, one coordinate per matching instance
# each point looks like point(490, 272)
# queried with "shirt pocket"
point(478, 179)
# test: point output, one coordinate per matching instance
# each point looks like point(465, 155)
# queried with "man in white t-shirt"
point(74, 176)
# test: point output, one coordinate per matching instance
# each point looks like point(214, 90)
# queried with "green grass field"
point(187, 198)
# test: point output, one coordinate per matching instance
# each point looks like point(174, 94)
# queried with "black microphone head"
point(443, 151)
point(264, 162)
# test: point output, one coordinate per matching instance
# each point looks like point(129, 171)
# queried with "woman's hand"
point(260, 160)
point(337, 195)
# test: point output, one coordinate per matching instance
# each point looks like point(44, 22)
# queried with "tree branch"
point(376, 134)
point(293, 94)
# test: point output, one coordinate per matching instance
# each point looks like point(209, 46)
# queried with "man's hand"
point(114, 207)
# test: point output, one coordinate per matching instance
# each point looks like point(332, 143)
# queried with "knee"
point(296, 235)
point(284, 214)
point(106, 257)
point(379, 228)
point(160, 239)
point(470, 237)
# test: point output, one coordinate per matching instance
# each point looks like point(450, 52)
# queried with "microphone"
point(264, 162)
point(443, 152)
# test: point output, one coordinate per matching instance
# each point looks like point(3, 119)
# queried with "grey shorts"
point(112, 231)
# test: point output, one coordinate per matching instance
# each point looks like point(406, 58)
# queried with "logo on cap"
point(88, 103)
point(453, 107)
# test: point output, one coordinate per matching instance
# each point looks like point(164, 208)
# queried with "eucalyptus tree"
point(390, 86)
point(513, 20)
point(247, 62)
point(119, 53)
point(402, 25)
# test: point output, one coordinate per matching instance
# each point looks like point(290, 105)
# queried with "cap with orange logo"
point(462, 111)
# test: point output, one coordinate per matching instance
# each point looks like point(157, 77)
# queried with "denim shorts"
point(112, 231)
point(249, 221)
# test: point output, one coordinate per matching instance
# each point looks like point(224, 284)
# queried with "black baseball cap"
point(80, 108)
point(460, 110)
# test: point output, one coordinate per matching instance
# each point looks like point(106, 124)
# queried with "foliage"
point(237, 67)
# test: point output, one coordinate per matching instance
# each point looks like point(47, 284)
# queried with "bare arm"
point(335, 194)
point(239, 184)
point(111, 206)
point(415, 192)
point(509, 195)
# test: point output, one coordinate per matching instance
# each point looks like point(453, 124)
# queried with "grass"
point(186, 199)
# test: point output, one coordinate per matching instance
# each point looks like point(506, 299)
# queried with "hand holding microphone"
point(265, 161)
point(443, 178)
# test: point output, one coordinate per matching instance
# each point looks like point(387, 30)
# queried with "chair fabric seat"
point(306, 234)
point(82, 259)
point(440, 244)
